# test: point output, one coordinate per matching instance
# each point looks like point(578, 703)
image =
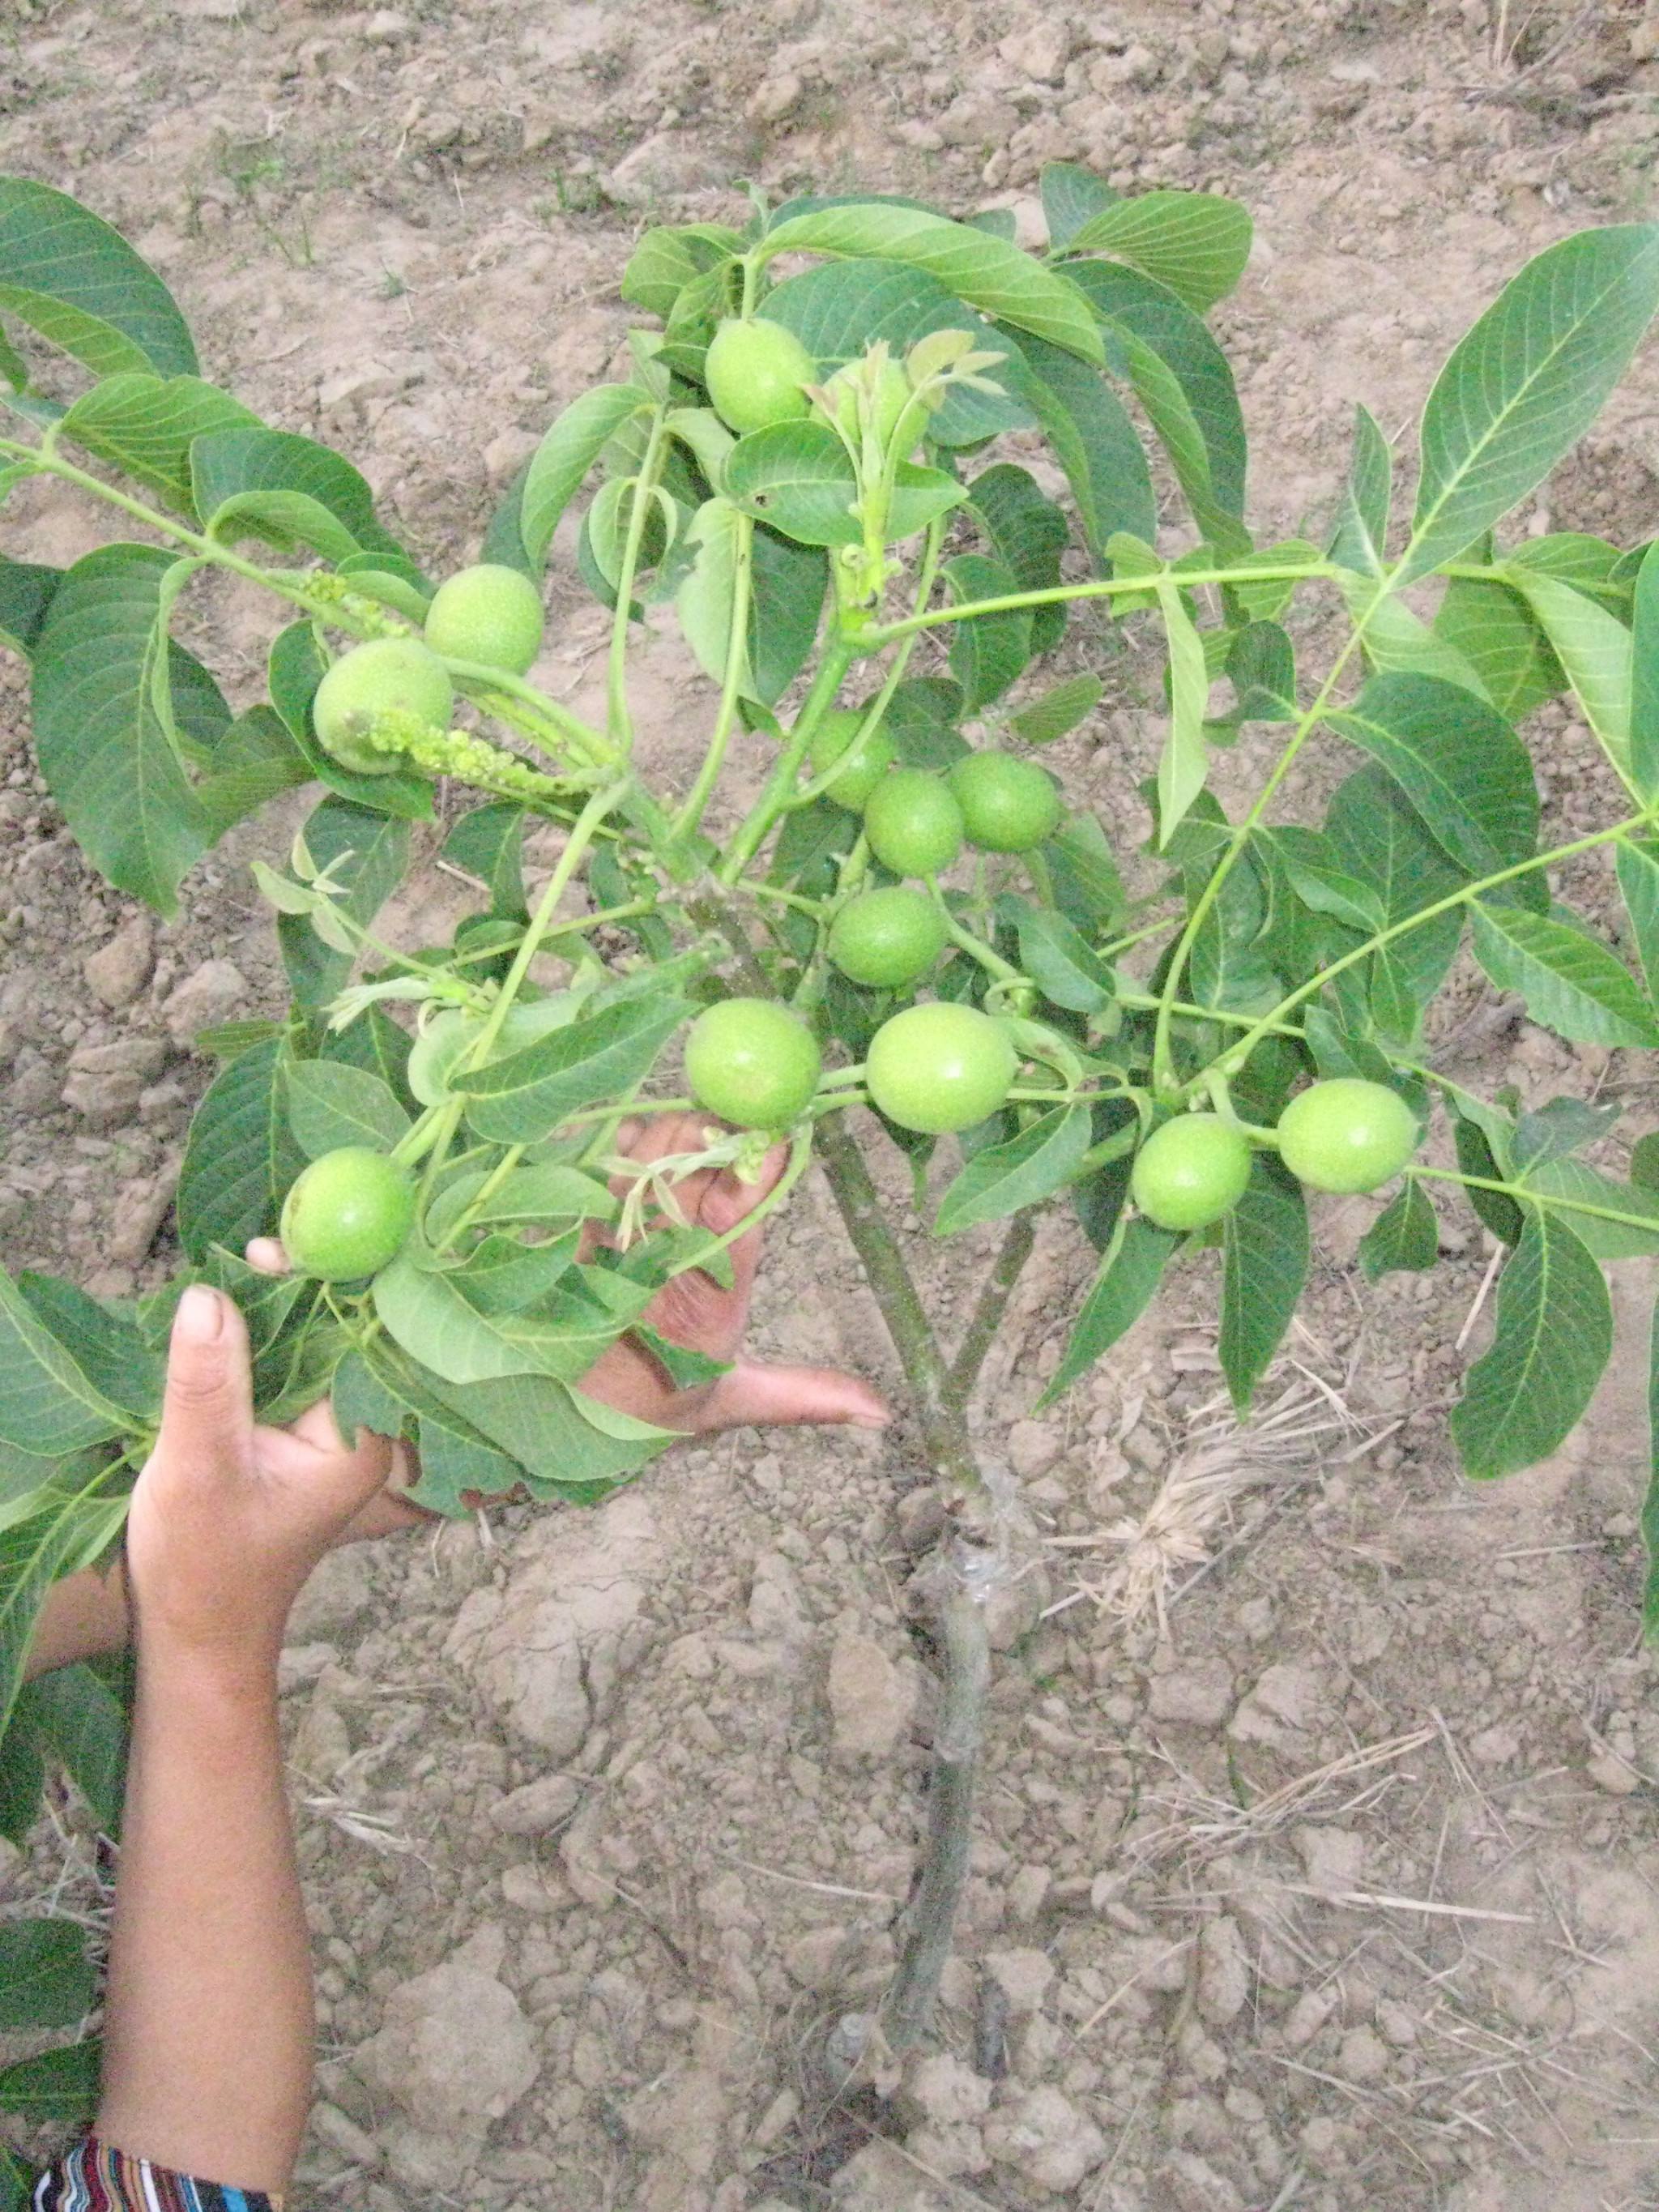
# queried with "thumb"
point(207, 1412)
point(792, 1397)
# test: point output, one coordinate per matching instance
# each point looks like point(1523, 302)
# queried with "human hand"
point(228, 1518)
point(694, 1310)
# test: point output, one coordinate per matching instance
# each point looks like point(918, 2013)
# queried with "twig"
point(1123, 1988)
point(987, 1314)
point(1480, 1297)
point(1407, 1905)
point(859, 1201)
point(819, 1888)
point(909, 2007)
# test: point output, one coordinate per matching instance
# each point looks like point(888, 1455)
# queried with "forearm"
point(86, 1614)
point(83, 1616)
point(209, 2021)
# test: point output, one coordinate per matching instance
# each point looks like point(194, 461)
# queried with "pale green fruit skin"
point(1191, 1172)
point(914, 823)
point(969, 1061)
point(754, 372)
point(1346, 1135)
point(889, 938)
point(1008, 804)
point(836, 739)
point(488, 613)
point(389, 675)
point(347, 1215)
point(752, 1062)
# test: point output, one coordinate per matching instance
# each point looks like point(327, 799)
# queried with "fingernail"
point(200, 1316)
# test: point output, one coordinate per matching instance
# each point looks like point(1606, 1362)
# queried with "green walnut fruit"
point(389, 675)
point(1191, 1171)
point(887, 938)
point(939, 1067)
point(490, 613)
point(755, 372)
point(1008, 805)
point(1347, 1135)
point(914, 823)
point(752, 1062)
point(864, 761)
point(347, 1215)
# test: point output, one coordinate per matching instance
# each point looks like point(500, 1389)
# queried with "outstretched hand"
point(698, 1312)
point(357, 1493)
point(695, 1311)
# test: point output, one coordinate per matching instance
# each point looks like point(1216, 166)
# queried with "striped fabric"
point(94, 2177)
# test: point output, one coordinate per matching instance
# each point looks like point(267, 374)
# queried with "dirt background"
point(1337, 1888)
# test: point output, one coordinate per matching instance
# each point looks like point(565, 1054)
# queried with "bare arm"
point(209, 2025)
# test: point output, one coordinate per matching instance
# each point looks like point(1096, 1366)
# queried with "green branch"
point(780, 785)
point(1469, 892)
point(981, 1332)
point(736, 664)
point(1524, 1195)
point(619, 726)
point(1162, 1068)
point(1100, 587)
point(541, 922)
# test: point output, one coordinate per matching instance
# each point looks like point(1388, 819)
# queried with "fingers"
point(266, 1257)
point(791, 1397)
point(385, 1514)
point(381, 1466)
point(206, 1413)
point(725, 1199)
point(325, 1484)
